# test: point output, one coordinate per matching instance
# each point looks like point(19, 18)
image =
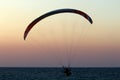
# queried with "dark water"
point(57, 74)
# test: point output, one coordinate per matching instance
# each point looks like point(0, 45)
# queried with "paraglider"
point(67, 70)
point(30, 26)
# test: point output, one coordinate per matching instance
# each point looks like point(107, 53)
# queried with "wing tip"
point(25, 35)
point(91, 22)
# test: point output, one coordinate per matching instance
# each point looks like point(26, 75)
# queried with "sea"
point(36, 73)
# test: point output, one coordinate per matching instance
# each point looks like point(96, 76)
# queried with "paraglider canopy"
point(30, 26)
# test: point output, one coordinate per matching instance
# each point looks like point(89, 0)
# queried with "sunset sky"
point(49, 43)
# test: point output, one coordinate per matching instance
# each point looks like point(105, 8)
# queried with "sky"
point(60, 39)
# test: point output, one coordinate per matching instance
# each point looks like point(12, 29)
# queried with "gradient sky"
point(97, 46)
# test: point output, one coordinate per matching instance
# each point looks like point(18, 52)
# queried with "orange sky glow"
point(62, 38)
